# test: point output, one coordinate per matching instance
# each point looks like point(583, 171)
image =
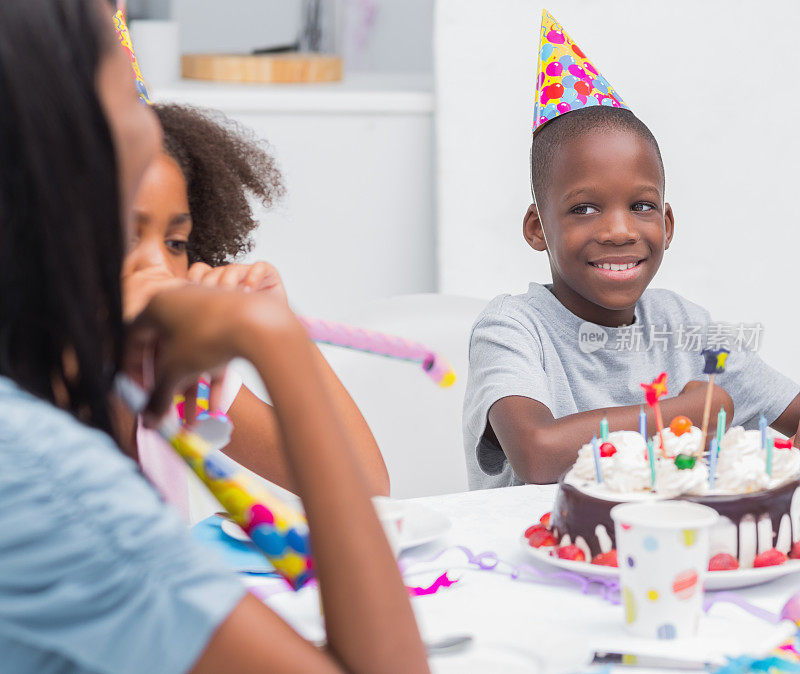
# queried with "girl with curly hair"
point(192, 217)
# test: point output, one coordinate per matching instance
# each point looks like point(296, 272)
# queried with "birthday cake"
point(754, 491)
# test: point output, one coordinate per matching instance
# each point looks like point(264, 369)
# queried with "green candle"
point(651, 456)
point(770, 448)
point(720, 425)
point(604, 429)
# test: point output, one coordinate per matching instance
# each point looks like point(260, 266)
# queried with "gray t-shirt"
point(531, 345)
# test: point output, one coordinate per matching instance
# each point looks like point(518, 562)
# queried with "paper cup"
point(663, 553)
point(390, 513)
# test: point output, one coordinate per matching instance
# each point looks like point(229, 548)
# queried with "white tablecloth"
point(527, 626)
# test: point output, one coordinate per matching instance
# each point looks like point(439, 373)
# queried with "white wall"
point(715, 82)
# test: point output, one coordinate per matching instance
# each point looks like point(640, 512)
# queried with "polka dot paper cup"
point(663, 556)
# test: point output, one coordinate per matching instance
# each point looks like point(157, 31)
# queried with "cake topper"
point(715, 360)
point(652, 393)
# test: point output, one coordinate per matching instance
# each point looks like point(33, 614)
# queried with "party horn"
point(276, 529)
point(369, 341)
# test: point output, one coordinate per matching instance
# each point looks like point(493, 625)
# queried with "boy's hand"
point(694, 385)
point(695, 391)
point(258, 277)
point(139, 287)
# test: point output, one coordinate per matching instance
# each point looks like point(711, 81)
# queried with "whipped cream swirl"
point(685, 443)
point(672, 481)
point(741, 464)
point(785, 465)
point(626, 471)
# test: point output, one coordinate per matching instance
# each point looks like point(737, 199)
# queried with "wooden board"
point(291, 67)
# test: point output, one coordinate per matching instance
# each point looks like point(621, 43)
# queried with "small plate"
point(714, 580)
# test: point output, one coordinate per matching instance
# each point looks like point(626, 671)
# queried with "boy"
point(547, 366)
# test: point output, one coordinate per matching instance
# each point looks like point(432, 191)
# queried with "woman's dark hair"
point(60, 235)
point(223, 164)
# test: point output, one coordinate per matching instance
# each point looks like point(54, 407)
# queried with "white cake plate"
point(715, 580)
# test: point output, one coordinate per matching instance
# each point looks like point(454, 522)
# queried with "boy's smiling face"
point(603, 222)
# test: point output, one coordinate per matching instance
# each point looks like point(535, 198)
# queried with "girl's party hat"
point(566, 79)
point(125, 39)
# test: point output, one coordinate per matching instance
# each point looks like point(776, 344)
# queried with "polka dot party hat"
point(125, 40)
point(566, 79)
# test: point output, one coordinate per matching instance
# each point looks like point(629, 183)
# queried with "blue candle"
point(651, 457)
point(643, 423)
point(762, 426)
point(604, 429)
point(596, 452)
point(712, 462)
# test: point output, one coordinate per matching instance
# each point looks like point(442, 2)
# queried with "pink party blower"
point(369, 341)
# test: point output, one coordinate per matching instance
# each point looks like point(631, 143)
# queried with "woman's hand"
point(259, 277)
point(191, 330)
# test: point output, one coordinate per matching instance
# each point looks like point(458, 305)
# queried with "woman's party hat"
point(125, 39)
point(566, 79)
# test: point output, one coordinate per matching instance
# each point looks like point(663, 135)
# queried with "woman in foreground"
point(95, 574)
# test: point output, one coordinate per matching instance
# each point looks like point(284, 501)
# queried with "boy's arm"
point(789, 419)
point(540, 448)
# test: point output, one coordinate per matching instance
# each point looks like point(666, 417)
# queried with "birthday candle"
point(770, 448)
point(651, 457)
point(596, 453)
point(643, 423)
point(604, 429)
point(720, 425)
point(712, 462)
point(762, 426)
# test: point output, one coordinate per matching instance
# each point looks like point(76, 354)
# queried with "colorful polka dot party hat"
point(566, 79)
point(125, 39)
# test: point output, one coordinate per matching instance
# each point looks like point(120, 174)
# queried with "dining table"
point(505, 611)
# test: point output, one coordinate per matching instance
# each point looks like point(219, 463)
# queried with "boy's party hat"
point(125, 39)
point(566, 79)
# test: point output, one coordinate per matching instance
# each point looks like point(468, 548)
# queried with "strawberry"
point(607, 449)
point(723, 562)
point(541, 537)
point(545, 519)
point(532, 528)
point(571, 552)
point(606, 558)
point(794, 553)
point(769, 558)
